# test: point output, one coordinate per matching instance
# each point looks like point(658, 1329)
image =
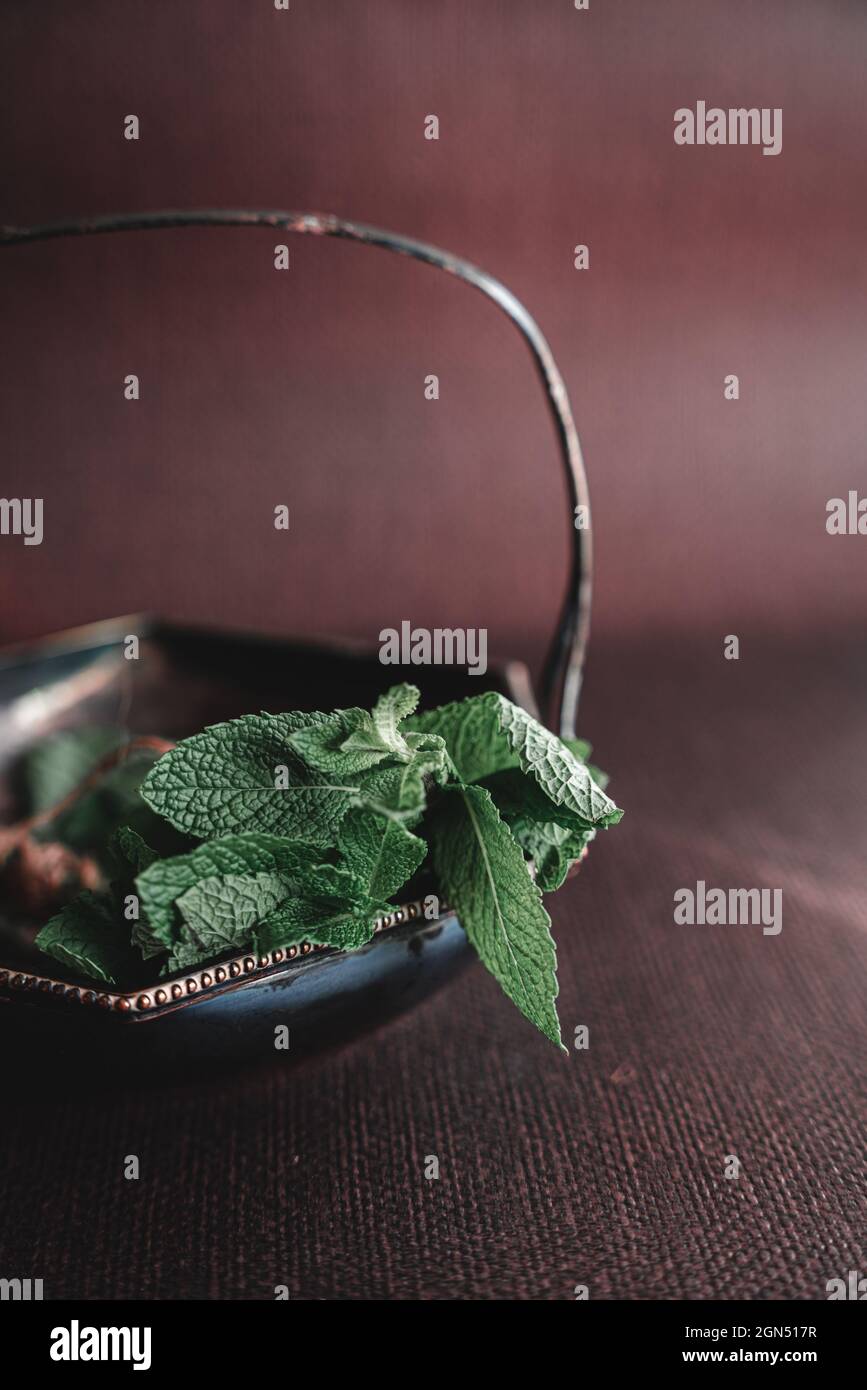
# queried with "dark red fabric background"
point(709, 516)
point(307, 387)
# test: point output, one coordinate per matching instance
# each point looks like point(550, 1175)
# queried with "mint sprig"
point(484, 873)
point(310, 826)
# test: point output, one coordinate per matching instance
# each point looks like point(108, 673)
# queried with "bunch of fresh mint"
point(305, 827)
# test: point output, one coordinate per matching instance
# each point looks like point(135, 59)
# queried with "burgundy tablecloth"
point(604, 1169)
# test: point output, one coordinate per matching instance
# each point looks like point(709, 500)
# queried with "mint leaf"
point(399, 796)
point(185, 955)
point(579, 748)
point(131, 851)
point(566, 781)
point(345, 743)
point(89, 937)
point(402, 792)
point(552, 836)
point(132, 856)
point(471, 731)
point(487, 734)
point(483, 874)
point(582, 751)
point(380, 852)
point(142, 936)
point(430, 753)
point(331, 881)
point(223, 781)
point(389, 712)
point(323, 922)
point(351, 740)
point(220, 913)
point(516, 794)
point(160, 885)
point(552, 848)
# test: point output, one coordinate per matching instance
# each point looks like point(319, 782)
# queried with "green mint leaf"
point(552, 848)
point(566, 781)
point(131, 851)
point(323, 922)
point(516, 794)
point(351, 740)
point(185, 955)
point(430, 760)
point(330, 881)
point(365, 741)
point(264, 912)
point(88, 936)
point(380, 852)
point(483, 874)
point(220, 913)
point(582, 750)
point(225, 781)
point(390, 710)
point(579, 748)
point(487, 734)
point(378, 734)
point(132, 855)
point(399, 793)
point(344, 744)
point(160, 885)
point(552, 836)
point(142, 936)
point(471, 732)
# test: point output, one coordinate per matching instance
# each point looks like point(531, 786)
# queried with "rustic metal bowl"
point(186, 678)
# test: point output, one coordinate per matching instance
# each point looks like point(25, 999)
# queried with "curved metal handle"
point(561, 681)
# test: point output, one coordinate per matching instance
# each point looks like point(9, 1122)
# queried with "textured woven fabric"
point(606, 1168)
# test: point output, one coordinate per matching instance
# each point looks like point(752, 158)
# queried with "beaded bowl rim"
point(187, 987)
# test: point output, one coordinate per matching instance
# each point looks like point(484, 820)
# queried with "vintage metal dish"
point(187, 678)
